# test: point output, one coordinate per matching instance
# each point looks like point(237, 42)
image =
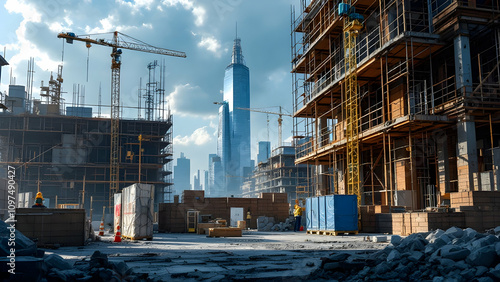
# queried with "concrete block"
point(379, 239)
point(484, 256)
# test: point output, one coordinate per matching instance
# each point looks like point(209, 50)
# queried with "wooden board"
point(203, 227)
point(225, 232)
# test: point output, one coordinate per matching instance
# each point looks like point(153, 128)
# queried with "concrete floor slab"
point(192, 257)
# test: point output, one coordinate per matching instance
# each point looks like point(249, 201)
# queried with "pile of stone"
point(265, 223)
point(32, 264)
point(451, 255)
point(97, 268)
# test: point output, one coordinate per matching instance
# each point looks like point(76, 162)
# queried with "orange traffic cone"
point(101, 229)
point(118, 235)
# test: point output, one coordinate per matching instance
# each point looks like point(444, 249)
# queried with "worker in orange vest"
point(38, 201)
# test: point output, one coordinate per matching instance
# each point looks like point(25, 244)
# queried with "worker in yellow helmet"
point(38, 201)
point(297, 214)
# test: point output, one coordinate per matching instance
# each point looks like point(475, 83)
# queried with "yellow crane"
point(280, 120)
point(353, 23)
point(118, 41)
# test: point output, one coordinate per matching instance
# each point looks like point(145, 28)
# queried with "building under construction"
point(278, 174)
point(66, 154)
point(427, 94)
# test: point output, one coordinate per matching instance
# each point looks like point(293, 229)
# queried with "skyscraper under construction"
point(427, 99)
point(65, 152)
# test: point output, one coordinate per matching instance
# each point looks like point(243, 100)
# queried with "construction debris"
point(268, 224)
point(451, 255)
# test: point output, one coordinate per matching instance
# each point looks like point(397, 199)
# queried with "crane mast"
point(114, 166)
point(116, 44)
point(352, 26)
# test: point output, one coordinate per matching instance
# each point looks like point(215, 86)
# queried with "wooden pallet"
point(149, 238)
point(331, 233)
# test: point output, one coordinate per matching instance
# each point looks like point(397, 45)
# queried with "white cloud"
point(187, 100)
point(211, 44)
point(199, 137)
point(198, 11)
point(137, 4)
point(277, 75)
point(29, 12)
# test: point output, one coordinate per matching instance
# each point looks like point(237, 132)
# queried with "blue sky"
point(204, 29)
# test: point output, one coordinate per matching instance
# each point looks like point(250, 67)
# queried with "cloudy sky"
point(204, 29)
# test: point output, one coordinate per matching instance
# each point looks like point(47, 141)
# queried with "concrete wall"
point(172, 216)
point(52, 226)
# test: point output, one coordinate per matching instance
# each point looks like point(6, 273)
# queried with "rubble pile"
point(268, 224)
point(32, 264)
point(451, 255)
point(97, 268)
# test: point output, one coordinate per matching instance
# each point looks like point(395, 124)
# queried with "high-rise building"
point(215, 178)
point(197, 181)
point(182, 174)
point(264, 151)
point(205, 180)
point(233, 144)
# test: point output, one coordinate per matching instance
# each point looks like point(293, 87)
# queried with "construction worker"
point(249, 217)
point(297, 213)
point(38, 201)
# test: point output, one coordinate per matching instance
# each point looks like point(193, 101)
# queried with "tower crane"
point(353, 24)
point(280, 120)
point(118, 41)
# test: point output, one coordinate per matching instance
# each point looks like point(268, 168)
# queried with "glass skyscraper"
point(233, 144)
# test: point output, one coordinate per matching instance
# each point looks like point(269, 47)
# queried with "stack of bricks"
point(408, 223)
point(383, 222)
point(65, 227)
point(368, 219)
point(481, 208)
point(172, 216)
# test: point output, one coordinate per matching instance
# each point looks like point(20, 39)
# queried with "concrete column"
point(463, 72)
point(322, 180)
point(443, 165)
point(467, 165)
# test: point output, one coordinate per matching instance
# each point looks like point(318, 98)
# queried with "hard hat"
point(39, 195)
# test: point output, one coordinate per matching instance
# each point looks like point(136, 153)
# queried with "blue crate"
point(332, 213)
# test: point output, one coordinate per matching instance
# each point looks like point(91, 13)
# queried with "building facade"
point(264, 151)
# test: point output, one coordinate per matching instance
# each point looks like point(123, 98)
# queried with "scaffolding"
point(413, 98)
point(65, 152)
